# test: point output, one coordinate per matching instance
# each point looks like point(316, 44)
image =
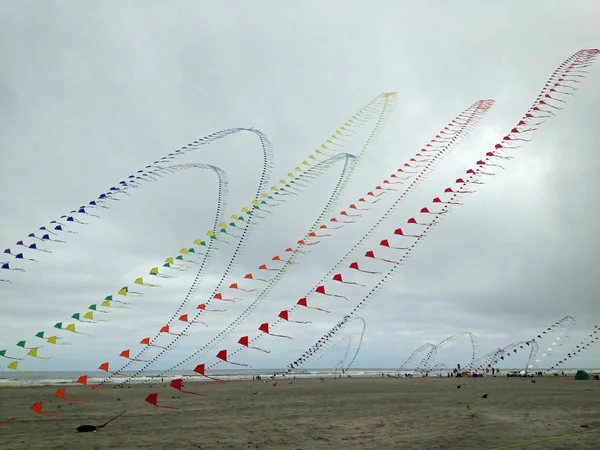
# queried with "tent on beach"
point(582, 375)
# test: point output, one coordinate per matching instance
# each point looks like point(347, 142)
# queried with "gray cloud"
point(89, 94)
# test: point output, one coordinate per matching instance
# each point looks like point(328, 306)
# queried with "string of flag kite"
point(150, 173)
point(544, 108)
point(438, 147)
point(384, 104)
point(494, 357)
point(355, 122)
point(88, 317)
point(584, 345)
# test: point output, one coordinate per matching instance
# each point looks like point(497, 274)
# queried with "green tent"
point(582, 375)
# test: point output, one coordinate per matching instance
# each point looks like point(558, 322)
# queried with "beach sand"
point(356, 413)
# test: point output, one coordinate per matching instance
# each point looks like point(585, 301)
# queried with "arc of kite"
point(141, 175)
point(84, 381)
point(387, 100)
point(61, 394)
point(479, 109)
point(425, 364)
point(580, 56)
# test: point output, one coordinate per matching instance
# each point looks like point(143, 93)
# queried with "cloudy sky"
point(90, 93)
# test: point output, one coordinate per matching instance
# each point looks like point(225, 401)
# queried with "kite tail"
point(114, 418)
point(345, 282)
point(279, 335)
point(261, 349)
point(335, 295)
point(6, 422)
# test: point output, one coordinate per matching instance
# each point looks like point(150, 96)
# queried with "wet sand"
point(367, 413)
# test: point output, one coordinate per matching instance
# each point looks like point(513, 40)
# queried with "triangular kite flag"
point(178, 383)
point(153, 400)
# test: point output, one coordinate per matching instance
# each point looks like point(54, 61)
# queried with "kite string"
point(230, 265)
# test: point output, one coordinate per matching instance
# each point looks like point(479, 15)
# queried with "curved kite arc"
point(439, 147)
point(133, 181)
point(584, 345)
point(542, 109)
point(360, 117)
point(88, 317)
point(425, 364)
point(488, 360)
point(330, 162)
point(341, 364)
point(413, 355)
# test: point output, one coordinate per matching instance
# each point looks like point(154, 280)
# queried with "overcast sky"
point(92, 92)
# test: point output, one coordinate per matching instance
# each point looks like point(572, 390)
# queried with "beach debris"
point(61, 394)
point(178, 383)
point(484, 396)
point(89, 428)
point(6, 422)
point(153, 400)
point(458, 387)
point(37, 408)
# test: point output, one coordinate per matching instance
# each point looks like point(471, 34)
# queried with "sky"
point(90, 93)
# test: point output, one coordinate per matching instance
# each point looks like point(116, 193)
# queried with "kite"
point(200, 369)
point(424, 365)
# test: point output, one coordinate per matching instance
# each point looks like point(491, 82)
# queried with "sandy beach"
point(375, 413)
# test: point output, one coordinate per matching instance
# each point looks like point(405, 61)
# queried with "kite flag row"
point(190, 255)
point(416, 169)
point(384, 104)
